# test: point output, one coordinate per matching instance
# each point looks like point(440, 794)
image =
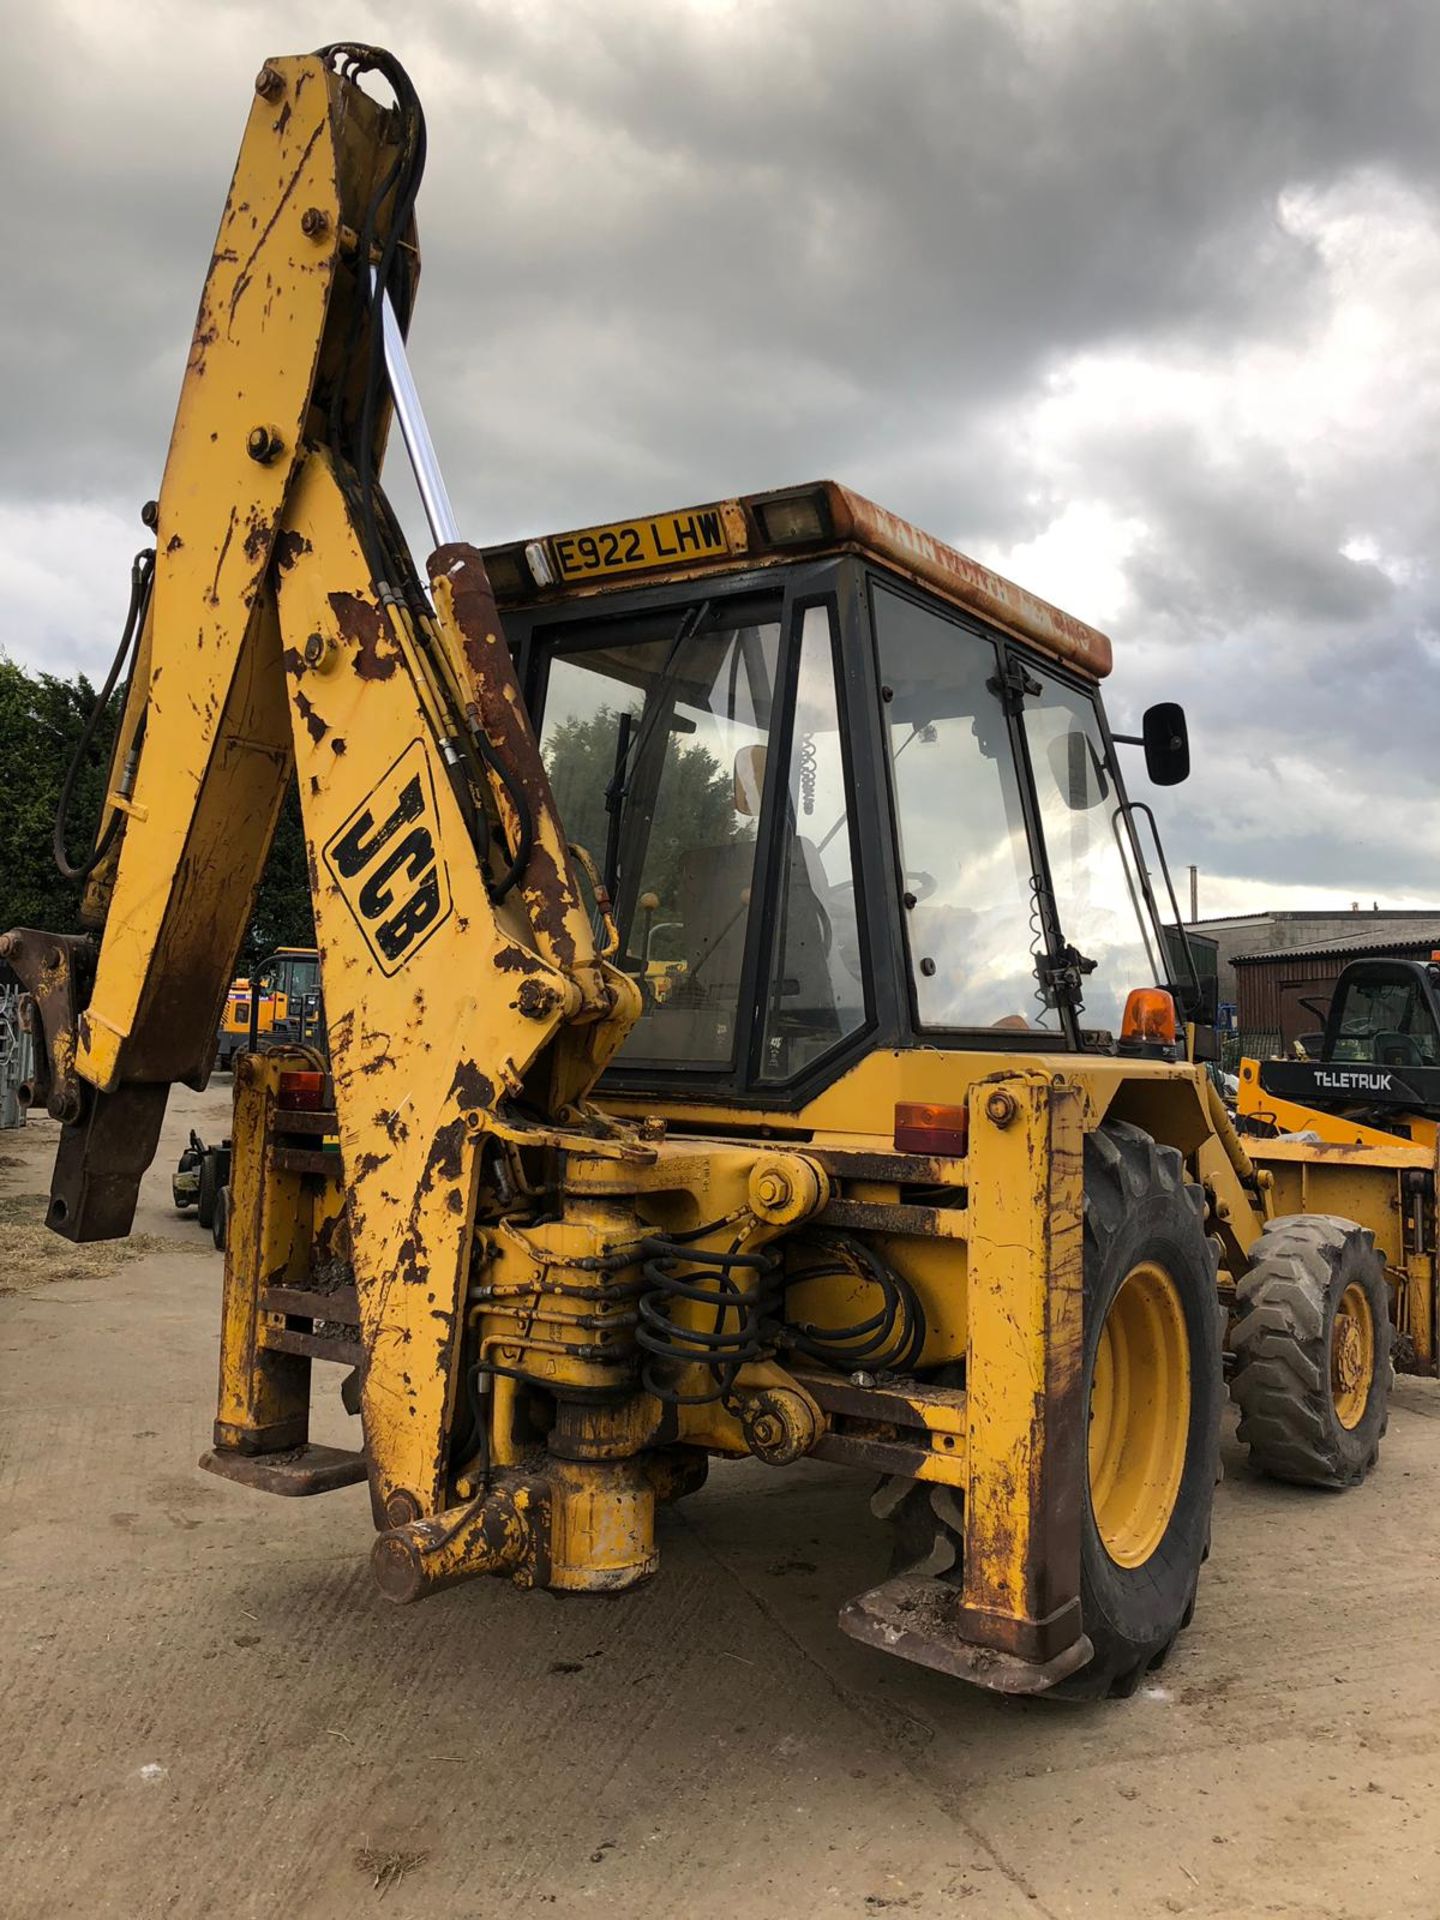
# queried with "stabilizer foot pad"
point(296, 1471)
point(916, 1617)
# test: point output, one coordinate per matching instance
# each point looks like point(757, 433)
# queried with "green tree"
point(42, 717)
point(695, 802)
point(284, 913)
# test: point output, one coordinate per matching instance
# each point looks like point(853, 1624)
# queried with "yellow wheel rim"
point(1352, 1355)
point(1139, 1415)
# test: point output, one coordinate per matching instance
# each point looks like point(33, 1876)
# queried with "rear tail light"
point(301, 1092)
point(921, 1127)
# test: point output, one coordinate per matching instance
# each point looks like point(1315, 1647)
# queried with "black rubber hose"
point(142, 579)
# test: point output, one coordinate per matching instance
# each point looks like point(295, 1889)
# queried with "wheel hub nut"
point(1346, 1362)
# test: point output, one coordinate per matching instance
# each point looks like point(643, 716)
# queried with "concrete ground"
point(206, 1710)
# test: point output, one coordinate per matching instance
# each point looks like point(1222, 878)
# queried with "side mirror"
point(1166, 740)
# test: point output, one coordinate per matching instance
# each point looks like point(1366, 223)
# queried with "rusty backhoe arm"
point(286, 630)
point(470, 1005)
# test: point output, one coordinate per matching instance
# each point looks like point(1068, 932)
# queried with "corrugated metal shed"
point(1272, 989)
point(1417, 949)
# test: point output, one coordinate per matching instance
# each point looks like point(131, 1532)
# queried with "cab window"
point(815, 995)
point(970, 915)
point(655, 735)
point(1387, 1023)
point(1094, 874)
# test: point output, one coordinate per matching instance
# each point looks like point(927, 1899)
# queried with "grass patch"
point(32, 1256)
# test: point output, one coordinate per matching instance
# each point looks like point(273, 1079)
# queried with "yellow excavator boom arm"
point(278, 638)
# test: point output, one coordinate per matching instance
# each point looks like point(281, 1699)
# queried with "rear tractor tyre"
point(1154, 1387)
point(1152, 1382)
point(1312, 1341)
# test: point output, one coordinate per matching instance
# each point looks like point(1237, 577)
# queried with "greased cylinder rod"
point(416, 433)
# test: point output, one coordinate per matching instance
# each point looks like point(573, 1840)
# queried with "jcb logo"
point(386, 861)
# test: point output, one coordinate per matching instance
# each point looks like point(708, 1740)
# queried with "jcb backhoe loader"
point(905, 1168)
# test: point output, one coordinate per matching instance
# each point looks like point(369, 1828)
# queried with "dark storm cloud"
point(1229, 530)
point(676, 252)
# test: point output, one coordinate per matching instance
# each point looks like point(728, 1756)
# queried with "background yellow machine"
point(1352, 1127)
point(278, 1000)
point(906, 1169)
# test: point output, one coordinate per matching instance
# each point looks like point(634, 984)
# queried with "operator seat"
point(1398, 1050)
point(697, 1019)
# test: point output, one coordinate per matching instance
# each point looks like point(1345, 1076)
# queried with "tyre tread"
point(1281, 1344)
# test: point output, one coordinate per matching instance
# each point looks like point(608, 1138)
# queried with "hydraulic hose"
point(142, 579)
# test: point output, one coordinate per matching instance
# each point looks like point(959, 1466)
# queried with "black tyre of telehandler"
point(1143, 1231)
point(1312, 1340)
point(1153, 1318)
point(209, 1187)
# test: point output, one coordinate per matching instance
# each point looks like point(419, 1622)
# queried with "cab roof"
point(769, 529)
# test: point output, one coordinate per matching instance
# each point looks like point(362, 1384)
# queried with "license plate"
point(664, 540)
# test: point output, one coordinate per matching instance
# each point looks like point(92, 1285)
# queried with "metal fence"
point(1254, 1045)
point(15, 1057)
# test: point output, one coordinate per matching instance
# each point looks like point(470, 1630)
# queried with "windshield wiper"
point(628, 748)
point(615, 800)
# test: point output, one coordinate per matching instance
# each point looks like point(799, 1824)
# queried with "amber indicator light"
point(1149, 1015)
point(923, 1128)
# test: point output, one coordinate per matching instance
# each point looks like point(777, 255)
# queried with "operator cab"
point(278, 1003)
point(1384, 1013)
point(1377, 1061)
point(846, 788)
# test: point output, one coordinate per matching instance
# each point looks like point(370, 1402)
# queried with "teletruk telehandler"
point(1356, 1125)
point(898, 1161)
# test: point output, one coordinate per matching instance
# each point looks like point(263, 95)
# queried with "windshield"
point(654, 737)
point(303, 976)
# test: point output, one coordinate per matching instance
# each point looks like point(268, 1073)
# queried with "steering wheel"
point(917, 882)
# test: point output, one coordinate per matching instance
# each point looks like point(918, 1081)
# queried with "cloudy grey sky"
point(1137, 300)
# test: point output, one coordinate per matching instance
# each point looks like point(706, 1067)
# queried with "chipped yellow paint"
point(217, 743)
point(1026, 1424)
point(427, 1031)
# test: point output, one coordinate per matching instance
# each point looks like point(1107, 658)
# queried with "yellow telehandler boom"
point(898, 1161)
